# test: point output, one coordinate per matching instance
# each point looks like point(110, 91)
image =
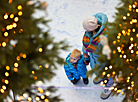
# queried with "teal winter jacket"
point(72, 72)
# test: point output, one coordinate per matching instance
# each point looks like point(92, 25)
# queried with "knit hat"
point(90, 23)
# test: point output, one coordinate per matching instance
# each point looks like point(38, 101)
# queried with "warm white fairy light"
point(131, 39)
point(42, 97)
point(19, 7)
point(6, 34)
point(29, 99)
point(4, 87)
point(128, 14)
point(6, 81)
point(115, 89)
point(46, 100)
point(46, 66)
point(16, 19)
point(106, 68)
point(7, 68)
point(129, 87)
point(6, 74)
point(40, 49)
point(124, 17)
point(2, 90)
point(24, 95)
point(132, 51)
point(103, 73)
point(16, 64)
point(37, 98)
point(47, 93)
point(118, 91)
point(133, 30)
point(40, 82)
point(124, 56)
point(14, 25)
point(4, 44)
point(33, 72)
point(6, 16)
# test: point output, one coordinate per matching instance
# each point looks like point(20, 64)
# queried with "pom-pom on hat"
point(90, 23)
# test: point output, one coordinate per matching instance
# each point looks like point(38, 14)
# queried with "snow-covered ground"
point(67, 17)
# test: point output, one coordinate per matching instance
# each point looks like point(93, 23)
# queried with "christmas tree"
point(28, 53)
point(123, 65)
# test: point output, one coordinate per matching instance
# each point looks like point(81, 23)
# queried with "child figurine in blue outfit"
point(75, 66)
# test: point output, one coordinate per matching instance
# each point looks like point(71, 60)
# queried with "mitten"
point(87, 62)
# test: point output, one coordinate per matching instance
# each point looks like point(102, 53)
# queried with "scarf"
point(91, 46)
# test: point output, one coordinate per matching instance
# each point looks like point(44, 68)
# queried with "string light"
point(6, 74)
point(131, 39)
point(124, 17)
point(18, 58)
point(35, 77)
point(40, 82)
point(40, 90)
point(14, 25)
point(19, 7)
point(106, 68)
point(108, 75)
point(46, 66)
point(16, 19)
point(4, 44)
point(24, 55)
point(11, 16)
point(40, 66)
point(46, 100)
point(2, 90)
point(40, 49)
point(103, 73)
point(37, 98)
point(16, 69)
point(128, 14)
point(33, 72)
point(20, 13)
point(136, 10)
point(136, 52)
point(6, 81)
point(120, 56)
point(42, 97)
point(114, 51)
point(133, 30)
point(124, 56)
point(29, 99)
point(10, 1)
point(4, 87)
point(16, 64)
point(118, 91)
point(6, 34)
point(47, 93)
point(113, 72)
point(110, 67)
point(6, 16)
point(7, 68)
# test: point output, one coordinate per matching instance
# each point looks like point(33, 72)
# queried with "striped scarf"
point(91, 46)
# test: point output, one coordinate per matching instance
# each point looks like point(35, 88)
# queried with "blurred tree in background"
point(123, 41)
point(28, 54)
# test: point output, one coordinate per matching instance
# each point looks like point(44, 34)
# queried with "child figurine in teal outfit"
point(75, 66)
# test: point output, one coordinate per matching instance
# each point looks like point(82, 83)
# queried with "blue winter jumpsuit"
point(73, 72)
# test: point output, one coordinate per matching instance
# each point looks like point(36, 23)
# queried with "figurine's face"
point(74, 59)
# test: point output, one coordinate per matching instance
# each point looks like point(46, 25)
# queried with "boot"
point(85, 80)
point(75, 81)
